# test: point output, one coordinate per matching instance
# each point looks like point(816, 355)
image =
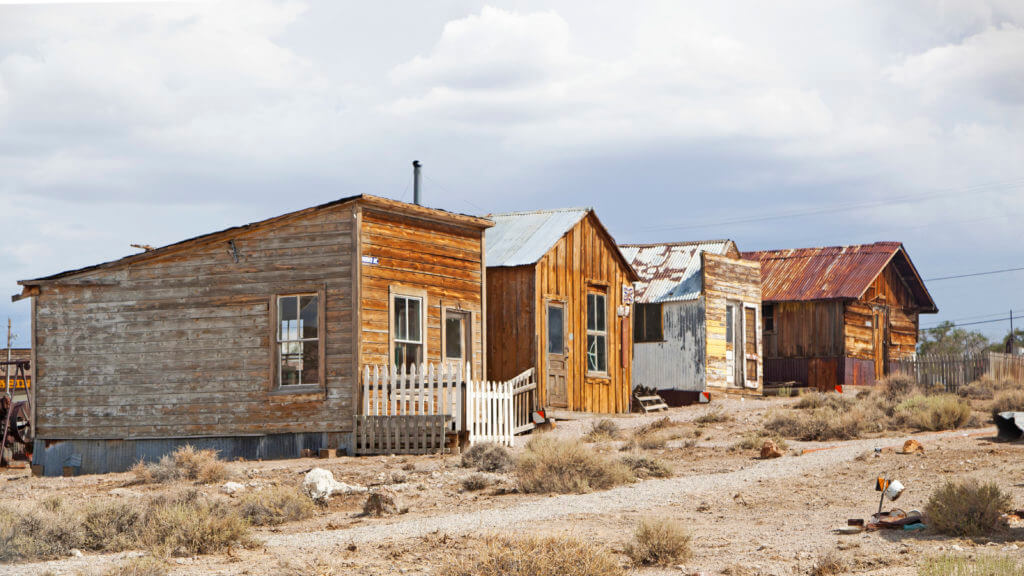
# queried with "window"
point(407, 341)
point(647, 323)
point(768, 317)
point(597, 333)
point(298, 340)
point(556, 330)
point(453, 338)
point(728, 323)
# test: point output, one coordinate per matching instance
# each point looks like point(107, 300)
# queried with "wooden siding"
point(444, 261)
point(677, 362)
point(806, 330)
point(729, 279)
point(889, 294)
point(583, 259)
point(181, 345)
point(511, 322)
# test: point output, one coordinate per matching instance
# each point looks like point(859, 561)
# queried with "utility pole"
point(1013, 338)
point(7, 367)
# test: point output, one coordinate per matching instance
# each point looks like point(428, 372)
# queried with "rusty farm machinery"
point(15, 415)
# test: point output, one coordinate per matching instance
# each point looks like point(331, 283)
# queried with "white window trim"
point(597, 373)
point(276, 387)
point(398, 291)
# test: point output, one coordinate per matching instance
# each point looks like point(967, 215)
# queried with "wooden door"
point(734, 349)
point(880, 339)
point(557, 354)
point(457, 350)
point(750, 351)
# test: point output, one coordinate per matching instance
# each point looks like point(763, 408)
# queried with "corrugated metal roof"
point(670, 272)
point(519, 238)
point(833, 272)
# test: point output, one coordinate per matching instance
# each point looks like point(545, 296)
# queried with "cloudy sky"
point(805, 124)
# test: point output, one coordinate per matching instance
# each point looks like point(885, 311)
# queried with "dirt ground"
point(747, 516)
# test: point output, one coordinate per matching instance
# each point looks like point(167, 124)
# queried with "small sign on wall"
point(370, 260)
point(627, 294)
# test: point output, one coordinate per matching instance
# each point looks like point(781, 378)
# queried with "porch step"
point(650, 404)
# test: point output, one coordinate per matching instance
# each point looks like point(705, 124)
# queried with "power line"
point(459, 196)
point(977, 317)
point(1007, 319)
point(974, 274)
point(993, 186)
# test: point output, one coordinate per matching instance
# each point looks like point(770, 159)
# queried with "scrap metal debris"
point(1010, 425)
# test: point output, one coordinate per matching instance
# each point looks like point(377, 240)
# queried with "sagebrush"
point(185, 463)
point(968, 508)
point(275, 505)
point(488, 457)
point(550, 464)
point(532, 556)
point(659, 542)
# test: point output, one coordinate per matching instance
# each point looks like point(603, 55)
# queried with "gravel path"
point(634, 497)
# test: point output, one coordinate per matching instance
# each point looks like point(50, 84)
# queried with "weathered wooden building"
point(696, 321)
point(837, 315)
point(558, 300)
point(250, 340)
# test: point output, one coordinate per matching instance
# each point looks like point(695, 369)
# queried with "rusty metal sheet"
point(670, 272)
point(833, 272)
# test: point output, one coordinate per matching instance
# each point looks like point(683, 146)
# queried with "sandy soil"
point(748, 516)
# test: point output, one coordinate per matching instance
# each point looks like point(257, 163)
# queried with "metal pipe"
point(416, 182)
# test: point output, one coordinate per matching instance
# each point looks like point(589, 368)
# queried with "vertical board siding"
point(511, 322)
point(678, 362)
point(729, 279)
point(181, 345)
point(443, 260)
point(583, 258)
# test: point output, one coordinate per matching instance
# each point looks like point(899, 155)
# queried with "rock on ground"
point(319, 484)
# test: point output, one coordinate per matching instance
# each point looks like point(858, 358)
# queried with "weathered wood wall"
point(678, 362)
point(511, 321)
point(443, 260)
point(180, 344)
point(806, 330)
point(889, 294)
point(582, 259)
point(730, 279)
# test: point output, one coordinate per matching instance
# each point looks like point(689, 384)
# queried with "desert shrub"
point(111, 526)
point(645, 466)
point(754, 441)
point(39, 533)
point(320, 565)
point(533, 556)
point(659, 424)
point(1008, 401)
point(603, 430)
point(381, 504)
point(897, 386)
point(550, 464)
point(659, 542)
point(939, 412)
point(988, 387)
point(476, 481)
point(189, 523)
point(980, 565)
point(815, 400)
point(712, 416)
point(828, 564)
point(826, 423)
point(185, 463)
point(967, 509)
point(488, 457)
point(141, 566)
point(275, 505)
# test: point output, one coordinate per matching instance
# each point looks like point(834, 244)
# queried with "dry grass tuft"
point(646, 467)
point(814, 400)
point(826, 422)
point(275, 505)
point(185, 463)
point(659, 542)
point(980, 565)
point(191, 524)
point(897, 386)
point(603, 430)
point(659, 424)
point(967, 509)
point(40, 533)
point(987, 387)
point(938, 412)
point(111, 526)
point(828, 564)
point(533, 556)
point(1008, 401)
point(141, 566)
point(754, 441)
point(551, 464)
point(713, 416)
point(476, 481)
point(321, 565)
point(488, 457)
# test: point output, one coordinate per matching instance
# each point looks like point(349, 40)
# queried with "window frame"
point(397, 291)
point(765, 317)
point(594, 291)
point(640, 336)
point(276, 387)
point(467, 336)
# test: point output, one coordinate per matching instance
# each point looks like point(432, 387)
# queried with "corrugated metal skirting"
point(105, 456)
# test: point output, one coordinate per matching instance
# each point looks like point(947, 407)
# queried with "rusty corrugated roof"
point(833, 272)
point(670, 272)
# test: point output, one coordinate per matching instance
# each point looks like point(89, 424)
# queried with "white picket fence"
point(488, 411)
